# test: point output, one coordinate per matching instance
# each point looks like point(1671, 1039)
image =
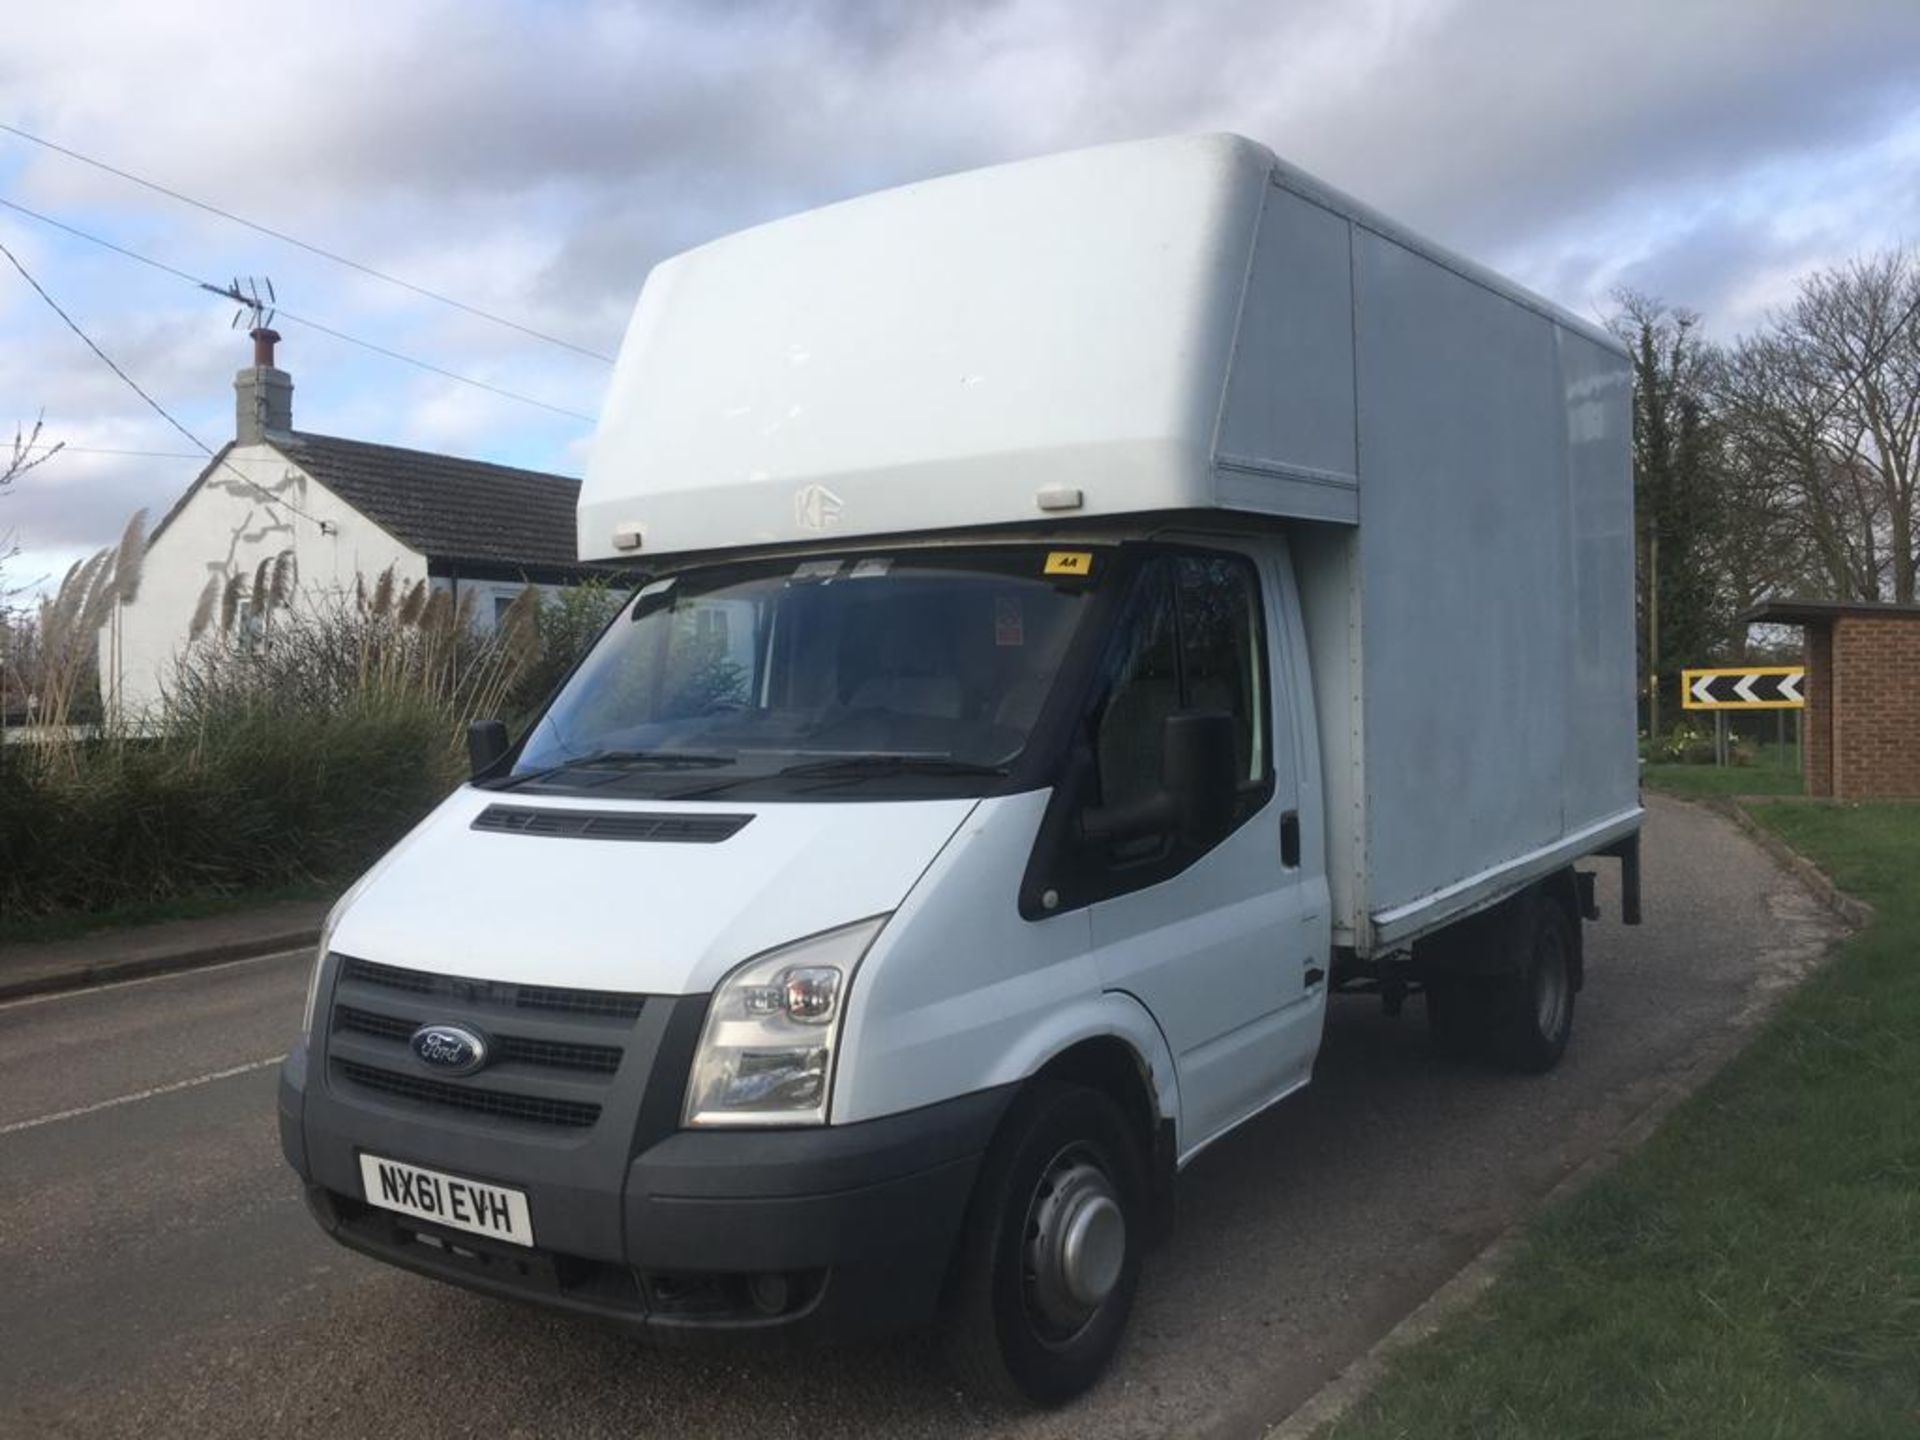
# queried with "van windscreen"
point(925, 663)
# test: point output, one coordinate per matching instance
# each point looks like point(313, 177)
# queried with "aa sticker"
point(1069, 562)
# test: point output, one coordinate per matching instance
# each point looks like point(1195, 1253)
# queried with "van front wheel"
point(1046, 1270)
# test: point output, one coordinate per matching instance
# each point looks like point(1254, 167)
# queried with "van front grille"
point(553, 1057)
point(611, 1003)
point(418, 982)
point(578, 1002)
point(552, 1054)
point(560, 1054)
point(531, 1109)
point(366, 1022)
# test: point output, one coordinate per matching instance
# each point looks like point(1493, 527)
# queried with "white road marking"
point(150, 979)
point(98, 1105)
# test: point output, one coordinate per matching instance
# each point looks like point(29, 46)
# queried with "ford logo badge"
point(453, 1049)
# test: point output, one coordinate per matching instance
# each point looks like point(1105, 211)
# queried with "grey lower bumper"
point(841, 1229)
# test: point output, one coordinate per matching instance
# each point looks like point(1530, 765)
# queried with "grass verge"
point(1708, 781)
point(70, 925)
point(1755, 1269)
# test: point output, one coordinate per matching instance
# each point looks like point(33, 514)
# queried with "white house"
point(343, 509)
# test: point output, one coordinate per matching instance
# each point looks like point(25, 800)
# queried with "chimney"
point(262, 394)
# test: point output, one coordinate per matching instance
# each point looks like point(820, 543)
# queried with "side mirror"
point(486, 746)
point(1198, 784)
point(1198, 773)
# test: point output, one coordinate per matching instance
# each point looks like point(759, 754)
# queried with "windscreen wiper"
point(629, 759)
point(858, 766)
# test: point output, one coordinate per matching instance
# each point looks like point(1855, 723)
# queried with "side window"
point(1191, 639)
point(1142, 688)
point(1220, 647)
point(1190, 636)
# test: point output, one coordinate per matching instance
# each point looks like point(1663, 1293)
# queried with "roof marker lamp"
point(766, 1053)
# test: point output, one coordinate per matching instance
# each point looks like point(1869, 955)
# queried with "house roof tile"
point(446, 508)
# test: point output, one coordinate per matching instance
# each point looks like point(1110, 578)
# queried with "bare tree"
point(14, 464)
point(25, 443)
point(1852, 332)
point(1797, 477)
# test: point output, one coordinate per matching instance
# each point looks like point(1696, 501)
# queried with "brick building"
point(1862, 721)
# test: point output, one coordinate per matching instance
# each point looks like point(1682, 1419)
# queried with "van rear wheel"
point(1045, 1273)
point(1530, 1018)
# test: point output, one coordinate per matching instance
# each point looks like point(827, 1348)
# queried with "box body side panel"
point(1496, 562)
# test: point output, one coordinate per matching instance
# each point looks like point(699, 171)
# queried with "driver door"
point(1208, 934)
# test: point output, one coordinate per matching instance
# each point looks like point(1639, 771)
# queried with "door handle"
point(1290, 839)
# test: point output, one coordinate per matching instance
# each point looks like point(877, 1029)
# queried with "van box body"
point(1184, 326)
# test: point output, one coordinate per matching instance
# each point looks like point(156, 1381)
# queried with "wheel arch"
point(1476, 944)
point(1133, 1068)
point(1562, 888)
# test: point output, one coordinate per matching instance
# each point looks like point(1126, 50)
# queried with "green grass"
point(27, 930)
point(1704, 781)
point(1755, 1269)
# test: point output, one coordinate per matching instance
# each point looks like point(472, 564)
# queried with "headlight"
point(766, 1053)
point(320, 963)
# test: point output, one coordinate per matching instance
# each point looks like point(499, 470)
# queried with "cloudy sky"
point(535, 159)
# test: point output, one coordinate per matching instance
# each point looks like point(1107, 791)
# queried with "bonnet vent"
point(680, 828)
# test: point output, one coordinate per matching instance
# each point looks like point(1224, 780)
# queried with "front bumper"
point(839, 1230)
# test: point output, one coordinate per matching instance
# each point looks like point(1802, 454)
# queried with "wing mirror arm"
point(487, 746)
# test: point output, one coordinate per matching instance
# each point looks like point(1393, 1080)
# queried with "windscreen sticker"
point(867, 569)
point(1009, 625)
point(1069, 562)
point(821, 570)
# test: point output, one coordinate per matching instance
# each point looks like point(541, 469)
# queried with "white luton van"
point(1093, 609)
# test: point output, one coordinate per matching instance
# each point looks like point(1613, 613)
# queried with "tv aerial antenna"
point(245, 293)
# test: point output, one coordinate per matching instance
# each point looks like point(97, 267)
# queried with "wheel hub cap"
point(1076, 1243)
point(1090, 1255)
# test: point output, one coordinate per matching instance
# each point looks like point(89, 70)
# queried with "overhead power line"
point(324, 329)
point(134, 385)
point(300, 244)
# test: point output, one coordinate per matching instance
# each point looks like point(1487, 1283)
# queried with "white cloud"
point(536, 159)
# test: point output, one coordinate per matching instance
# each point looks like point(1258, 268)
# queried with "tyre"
point(1530, 1010)
point(1048, 1262)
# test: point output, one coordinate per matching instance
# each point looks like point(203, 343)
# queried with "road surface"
point(162, 1276)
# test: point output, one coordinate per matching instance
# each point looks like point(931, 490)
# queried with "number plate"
point(452, 1200)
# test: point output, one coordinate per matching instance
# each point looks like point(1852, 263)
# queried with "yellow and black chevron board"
point(1745, 687)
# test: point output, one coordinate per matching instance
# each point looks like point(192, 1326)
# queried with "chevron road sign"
point(1756, 687)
